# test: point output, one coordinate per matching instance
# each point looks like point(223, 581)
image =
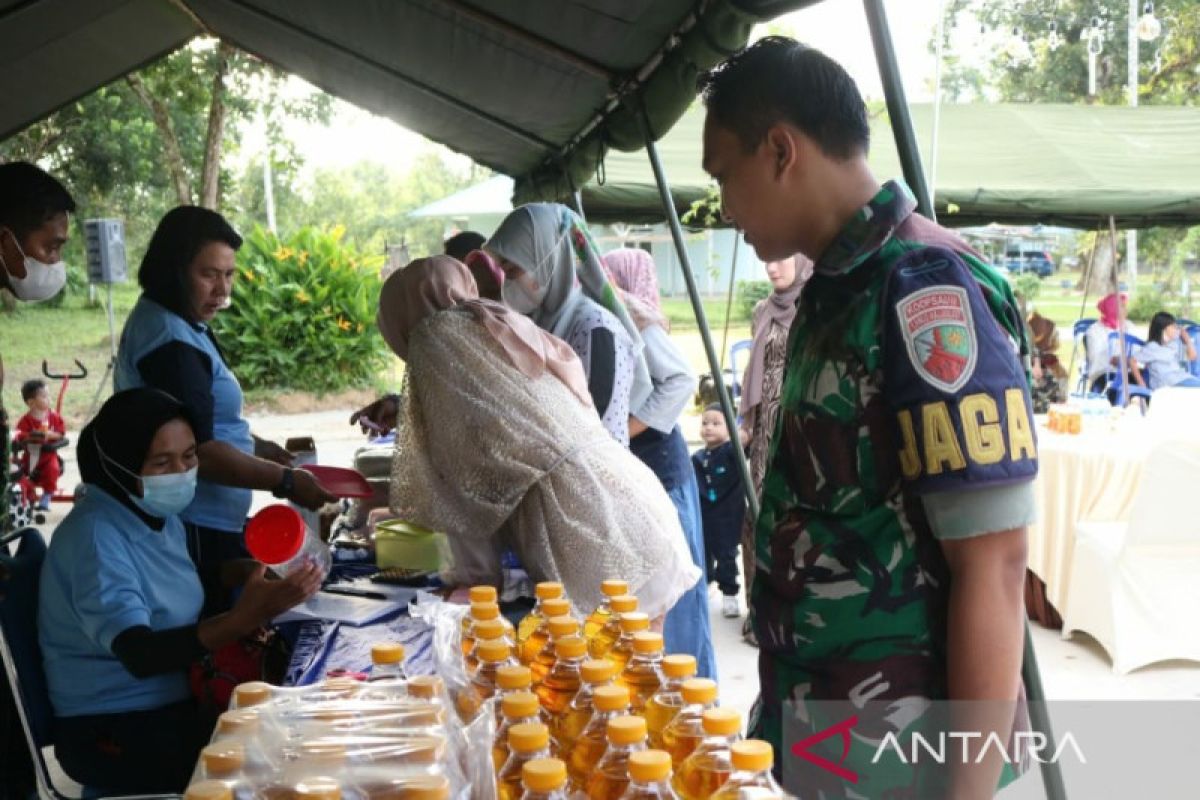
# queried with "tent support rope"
point(714, 363)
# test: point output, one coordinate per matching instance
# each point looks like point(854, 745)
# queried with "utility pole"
point(1131, 235)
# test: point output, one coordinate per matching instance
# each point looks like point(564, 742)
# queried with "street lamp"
point(1149, 27)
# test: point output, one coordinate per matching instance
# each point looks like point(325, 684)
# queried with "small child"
point(722, 505)
point(41, 426)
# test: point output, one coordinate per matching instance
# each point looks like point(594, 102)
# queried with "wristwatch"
point(286, 484)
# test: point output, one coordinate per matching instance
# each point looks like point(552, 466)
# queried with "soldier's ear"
point(782, 148)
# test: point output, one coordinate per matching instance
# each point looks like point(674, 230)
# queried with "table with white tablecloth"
point(1090, 476)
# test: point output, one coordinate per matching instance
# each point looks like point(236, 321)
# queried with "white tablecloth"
point(1090, 476)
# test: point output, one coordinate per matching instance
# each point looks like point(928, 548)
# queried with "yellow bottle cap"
point(570, 647)
point(647, 642)
point(626, 730)
point(556, 607)
point(752, 755)
point(528, 736)
point(597, 670)
point(488, 609)
point(614, 588)
point(547, 590)
point(514, 676)
point(698, 690)
point(721, 722)
point(482, 594)
point(493, 650)
point(634, 621)
point(544, 774)
point(318, 789)
point(425, 687)
point(208, 790)
point(562, 626)
point(611, 698)
point(237, 721)
point(488, 629)
point(623, 603)
point(252, 694)
point(519, 704)
point(223, 758)
point(679, 665)
point(650, 765)
point(387, 653)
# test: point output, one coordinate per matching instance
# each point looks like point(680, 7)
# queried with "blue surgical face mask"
point(162, 495)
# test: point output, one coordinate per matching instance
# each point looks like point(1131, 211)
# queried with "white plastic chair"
point(1135, 586)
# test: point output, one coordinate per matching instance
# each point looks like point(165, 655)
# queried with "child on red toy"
point(35, 431)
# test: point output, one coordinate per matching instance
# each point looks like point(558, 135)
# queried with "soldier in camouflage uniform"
point(891, 542)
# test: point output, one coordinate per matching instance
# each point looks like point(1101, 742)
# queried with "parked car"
point(1035, 261)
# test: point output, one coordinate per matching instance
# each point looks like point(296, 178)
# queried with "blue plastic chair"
point(743, 346)
point(1193, 332)
point(1078, 331)
point(1116, 381)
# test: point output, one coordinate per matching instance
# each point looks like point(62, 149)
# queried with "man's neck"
point(848, 186)
point(39, 414)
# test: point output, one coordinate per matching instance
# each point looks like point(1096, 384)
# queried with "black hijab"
point(124, 429)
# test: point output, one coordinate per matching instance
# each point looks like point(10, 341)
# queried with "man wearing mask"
point(34, 209)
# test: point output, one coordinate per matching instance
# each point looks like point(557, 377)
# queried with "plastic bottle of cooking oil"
point(252, 693)
point(479, 594)
point(483, 630)
point(547, 590)
point(552, 607)
point(517, 708)
point(482, 612)
point(492, 655)
point(650, 776)
point(594, 673)
point(544, 779)
point(668, 700)
point(556, 628)
point(752, 762)
point(610, 778)
point(602, 641)
point(711, 763)
point(426, 690)
point(631, 623)
point(224, 761)
point(562, 682)
point(209, 790)
point(686, 730)
point(388, 679)
point(595, 621)
point(609, 702)
point(526, 742)
point(643, 673)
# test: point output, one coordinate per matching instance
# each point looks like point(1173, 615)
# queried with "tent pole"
point(1039, 718)
point(714, 362)
point(897, 106)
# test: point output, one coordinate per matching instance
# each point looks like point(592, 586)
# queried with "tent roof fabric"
point(1008, 163)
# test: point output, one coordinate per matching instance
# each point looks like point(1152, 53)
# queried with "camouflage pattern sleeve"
point(954, 379)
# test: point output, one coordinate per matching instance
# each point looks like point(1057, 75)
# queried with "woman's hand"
point(263, 599)
point(307, 492)
point(636, 427)
point(269, 451)
point(745, 437)
point(378, 417)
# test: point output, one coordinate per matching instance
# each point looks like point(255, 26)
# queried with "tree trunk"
point(210, 181)
point(162, 121)
point(1100, 282)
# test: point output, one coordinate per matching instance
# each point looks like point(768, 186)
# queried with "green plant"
point(705, 212)
point(1149, 302)
point(303, 313)
point(749, 293)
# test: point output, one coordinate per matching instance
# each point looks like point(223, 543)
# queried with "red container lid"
point(275, 534)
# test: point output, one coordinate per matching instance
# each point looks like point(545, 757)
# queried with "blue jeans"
point(687, 629)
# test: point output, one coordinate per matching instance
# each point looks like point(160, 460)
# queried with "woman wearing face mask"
point(553, 275)
point(120, 600)
point(186, 278)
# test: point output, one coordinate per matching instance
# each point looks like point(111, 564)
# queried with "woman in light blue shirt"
point(1160, 357)
point(119, 604)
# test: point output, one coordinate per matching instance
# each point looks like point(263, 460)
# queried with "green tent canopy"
point(1007, 163)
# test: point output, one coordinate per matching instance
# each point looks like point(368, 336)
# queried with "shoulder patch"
point(939, 335)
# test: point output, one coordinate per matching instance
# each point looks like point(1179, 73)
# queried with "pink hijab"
point(439, 283)
point(1110, 310)
point(632, 270)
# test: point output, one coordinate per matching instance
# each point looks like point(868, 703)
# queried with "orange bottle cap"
point(544, 774)
point(493, 650)
point(387, 653)
point(614, 588)
point(519, 704)
point(425, 687)
point(698, 690)
point(488, 609)
point(514, 676)
point(482, 594)
point(648, 766)
point(626, 730)
point(623, 603)
point(679, 665)
point(570, 647)
point(547, 590)
point(426, 787)
point(252, 694)
point(556, 607)
point(752, 755)
point(223, 757)
point(722, 722)
point(208, 790)
point(488, 629)
point(597, 670)
point(528, 736)
point(562, 626)
point(635, 621)
point(237, 721)
point(647, 642)
point(611, 698)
